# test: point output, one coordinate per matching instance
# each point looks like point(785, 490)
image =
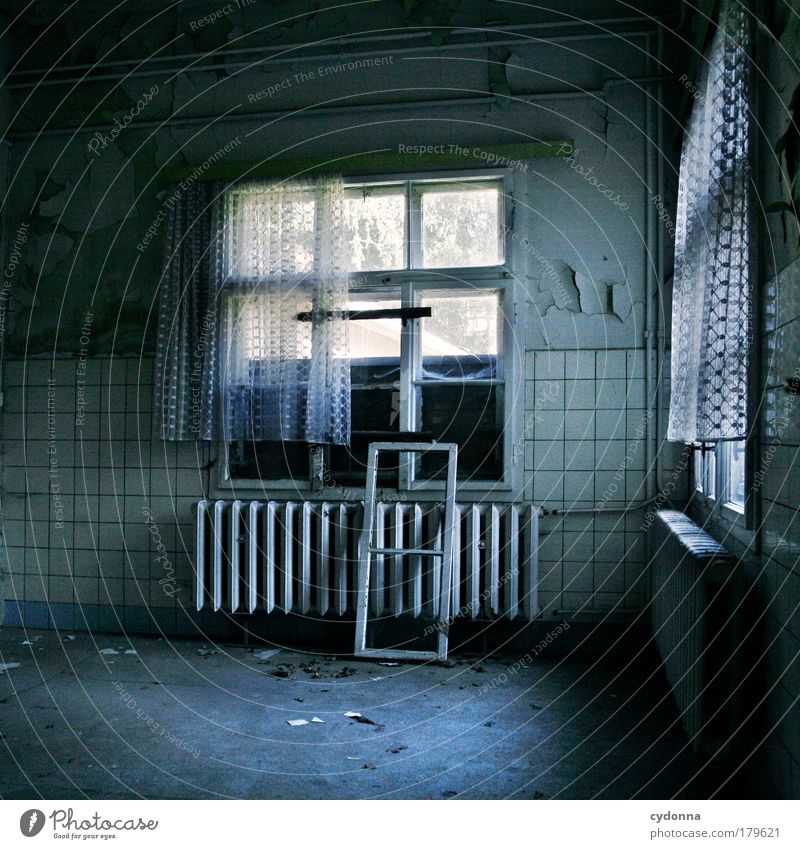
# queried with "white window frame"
point(500, 277)
point(717, 473)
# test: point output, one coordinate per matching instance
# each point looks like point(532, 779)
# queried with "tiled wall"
point(80, 470)
point(586, 422)
point(79, 473)
point(779, 577)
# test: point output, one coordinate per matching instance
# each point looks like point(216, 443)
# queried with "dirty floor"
point(183, 719)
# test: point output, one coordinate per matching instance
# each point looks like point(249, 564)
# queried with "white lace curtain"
point(263, 354)
point(285, 367)
point(711, 301)
point(186, 370)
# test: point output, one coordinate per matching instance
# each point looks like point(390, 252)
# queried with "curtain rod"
point(440, 155)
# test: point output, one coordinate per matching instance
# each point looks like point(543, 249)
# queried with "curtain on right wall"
point(711, 302)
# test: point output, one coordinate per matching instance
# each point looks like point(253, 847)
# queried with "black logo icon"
point(31, 822)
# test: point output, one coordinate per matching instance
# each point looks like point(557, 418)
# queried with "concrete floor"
point(175, 721)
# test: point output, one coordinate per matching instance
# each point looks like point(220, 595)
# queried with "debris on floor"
point(207, 652)
point(396, 750)
point(296, 723)
point(346, 672)
point(6, 666)
point(108, 651)
point(389, 663)
point(282, 671)
point(317, 719)
point(130, 651)
point(364, 720)
point(352, 714)
point(312, 669)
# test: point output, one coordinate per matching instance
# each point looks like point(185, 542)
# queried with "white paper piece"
point(296, 722)
point(108, 651)
point(267, 653)
point(5, 666)
point(130, 651)
point(26, 643)
point(317, 719)
point(389, 663)
point(352, 714)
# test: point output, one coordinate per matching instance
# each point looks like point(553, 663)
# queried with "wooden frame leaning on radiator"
point(443, 557)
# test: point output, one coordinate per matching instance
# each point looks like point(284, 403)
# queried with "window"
point(429, 224)
point(718, 472)
point(732, 469)
point(436, 244)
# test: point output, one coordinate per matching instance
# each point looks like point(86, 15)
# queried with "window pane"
point(735, 468)
point(271, 461)
point(374, 341)
point(697, 470)
point(711, 473)
point(375, 393)
point(375, 225)
point(462, 337)
point(460, 224)
point(470, 416)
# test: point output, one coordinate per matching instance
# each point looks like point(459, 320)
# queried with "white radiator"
point(697, 596)
point(302, 557)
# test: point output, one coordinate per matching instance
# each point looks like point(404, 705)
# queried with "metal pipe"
point(279, 57)
point(303, 112)
point(660, 329)
point(628, 508)
point(650, 313)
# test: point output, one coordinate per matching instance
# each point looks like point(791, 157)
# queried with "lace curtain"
point(186, 374)
point(252, 340)
point(285, 367)
point(711, 302)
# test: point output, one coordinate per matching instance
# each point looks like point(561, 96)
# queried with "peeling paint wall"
point(85, 288)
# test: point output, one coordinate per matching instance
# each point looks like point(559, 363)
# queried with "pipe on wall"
point(279, 57)
point(650, 299)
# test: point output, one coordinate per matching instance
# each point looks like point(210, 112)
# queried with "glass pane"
point(711, 473)
point(375, 393)
point(270, 461)
point(374, 342)
point(697, 470)
point(460, 224)
point(375, 226)
point(462, 337)
point(736, 473)
point(470, 416)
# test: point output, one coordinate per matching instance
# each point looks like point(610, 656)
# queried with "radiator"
point(302, 557)
point(697, 593)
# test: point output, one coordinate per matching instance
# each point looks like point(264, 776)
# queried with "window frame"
point(500, 277)
point(715, 463)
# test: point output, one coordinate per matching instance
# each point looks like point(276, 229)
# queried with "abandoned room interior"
point(400, 400)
